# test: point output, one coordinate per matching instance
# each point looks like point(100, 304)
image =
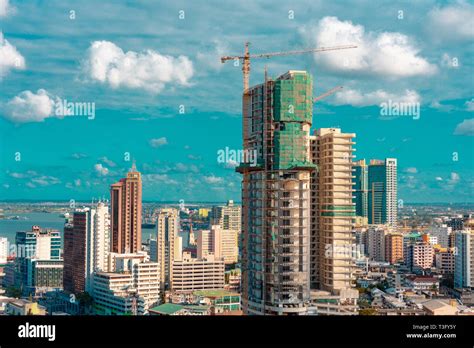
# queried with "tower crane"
point(324, 95)
point(245, 59)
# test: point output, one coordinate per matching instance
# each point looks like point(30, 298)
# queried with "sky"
point(156, 93)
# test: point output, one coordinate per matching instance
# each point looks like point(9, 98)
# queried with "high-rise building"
point(419, 256)
point(167, 233)
point(229, 217)
point(277, 117)
point(442, 233)
point(382, 192)
point(86, 247)
point(361, 192)
point(209, 242)
point(332, 213)
point(32, 247)
point(3, 250)
point(464, 259)
point(376, 242)
point(126, 213)
point(393, 247)
point(43, 244)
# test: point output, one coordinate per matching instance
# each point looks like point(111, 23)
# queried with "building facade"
point(126, 213)
point(191, 274)
point(277, 117)
point(166, 243)
point(333, 211)
point(464, 259)
point(382, 192)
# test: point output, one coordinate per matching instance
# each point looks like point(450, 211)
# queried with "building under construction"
point(276, 196)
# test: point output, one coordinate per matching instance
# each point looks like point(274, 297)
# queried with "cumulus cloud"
point(4, 8)
point(157, 142)
point(453, 178)
point(32, 107)
point(100, 169)
point(466, 127)
point(357, 98)
point(453, 22)
point(108, 162)
point(213, 179)
point(388, 53)
point(469, 105)
point(147, 70)
point(10, 58)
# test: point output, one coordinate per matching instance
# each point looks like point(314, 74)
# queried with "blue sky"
point(142, 62)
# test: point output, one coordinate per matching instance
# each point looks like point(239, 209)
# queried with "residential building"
point(376, 242)
point(419, 256)
point(190, 274)
point(422, 283)
point(131, 286)
point(126, 213)
point(444, 260)
point(464, 259)
point(86, 247)
point(332, 211)
point(167, 233)
point(32, 247)
point(393, 247)
point(361, 192)
point(209, 242)
point(277, 117)
point(3, 250)
point(442, 233)
point(229, 218)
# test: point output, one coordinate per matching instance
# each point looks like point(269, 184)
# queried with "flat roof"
point(167, 308)
point(215, 293)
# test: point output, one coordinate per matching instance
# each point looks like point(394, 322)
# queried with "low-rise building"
point(24, 307)
point(422, 283)
point(178, 309)
point(219, 300)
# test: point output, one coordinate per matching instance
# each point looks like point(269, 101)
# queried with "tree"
point(85, 301)
point(14, 292)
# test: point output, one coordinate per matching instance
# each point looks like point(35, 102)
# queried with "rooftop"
point(215, 293)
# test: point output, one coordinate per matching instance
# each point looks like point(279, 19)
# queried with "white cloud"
point(454, 22)
point(148, 70)
point(5, 8)
point(469, 105)
point(157, 142)
point(31, 107)
point(466, 127)
point(213, 179)
point(212, 57)
point(108, 162)
point(10, 58)
point(101, 170)
point(438, 178)
point(357, 98)
point(411, 170)
point(387, 53)
point(45, 180)
point(454, 178)
point(159, 178)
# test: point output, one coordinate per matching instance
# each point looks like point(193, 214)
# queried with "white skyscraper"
point(464, 259)
point(98, 241)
